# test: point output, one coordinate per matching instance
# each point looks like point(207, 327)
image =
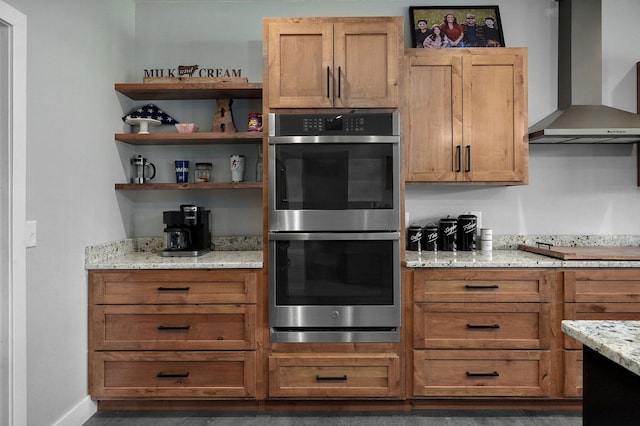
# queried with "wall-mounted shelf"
point(187, 186)
point(174, 91)
point(198, 138)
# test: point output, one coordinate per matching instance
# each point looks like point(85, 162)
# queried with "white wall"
point(79, 48)
point(76, 51)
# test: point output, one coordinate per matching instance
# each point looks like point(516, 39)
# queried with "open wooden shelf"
point(187, 186)
point(197, 138)
point(173, 91)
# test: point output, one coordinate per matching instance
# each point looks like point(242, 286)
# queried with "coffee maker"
point(187, 231)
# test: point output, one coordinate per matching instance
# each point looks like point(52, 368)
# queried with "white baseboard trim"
point(78, 414)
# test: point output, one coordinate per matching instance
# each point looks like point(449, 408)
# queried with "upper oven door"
point(334, 183)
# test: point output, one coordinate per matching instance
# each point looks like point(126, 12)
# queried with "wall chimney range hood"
point(581, 117)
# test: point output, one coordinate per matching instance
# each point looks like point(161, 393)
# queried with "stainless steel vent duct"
point(581, 117)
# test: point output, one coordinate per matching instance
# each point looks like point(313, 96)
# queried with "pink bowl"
point(187, 127)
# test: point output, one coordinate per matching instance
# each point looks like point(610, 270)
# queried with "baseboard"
point(78, 414)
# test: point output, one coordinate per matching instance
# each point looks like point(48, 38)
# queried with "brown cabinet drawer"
point(339, 375)
point(573, 374)
point(598, 311)
point(167, 327)
point(601, 286)
point(482, 286)
point(172, 374)
point(481, 373)
point(172, 287)
point(482, 325)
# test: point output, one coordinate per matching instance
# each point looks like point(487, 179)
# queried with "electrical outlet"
point(478, 215)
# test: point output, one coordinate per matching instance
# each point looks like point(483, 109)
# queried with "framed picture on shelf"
point(455, 26)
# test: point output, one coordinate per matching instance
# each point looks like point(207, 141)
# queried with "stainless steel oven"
point(334, 227)
point(334, 172)
point(334, 287)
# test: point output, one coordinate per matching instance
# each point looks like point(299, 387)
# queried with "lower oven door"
point(334, 287)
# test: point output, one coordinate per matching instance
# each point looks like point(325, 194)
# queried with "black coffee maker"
point(187, 231)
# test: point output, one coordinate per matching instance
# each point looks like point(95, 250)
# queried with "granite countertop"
point(617, 340)
point(504, 259)
point(144, 253)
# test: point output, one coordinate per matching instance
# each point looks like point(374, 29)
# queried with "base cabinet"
point(482, 333)
point(175, 334)
point(602, 294)
point(481, 373)
point(334, 375)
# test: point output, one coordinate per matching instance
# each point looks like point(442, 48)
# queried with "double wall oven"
point(334, 227)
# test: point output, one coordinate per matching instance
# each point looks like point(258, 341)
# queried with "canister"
point(203, 172)
point(467, 232)
point(430, 237)
point(414, 238)
point(255, 122)
point(447, 234)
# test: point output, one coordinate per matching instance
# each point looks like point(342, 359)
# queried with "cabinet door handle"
point(468, 149)
point(173, 288)
point(172, 375)
point(331, 378)
point(481, 287)
point(171, 328)
point(328, 82)
point(483, 325)
point(339, 81)
point(493, 374)
point(458, 159)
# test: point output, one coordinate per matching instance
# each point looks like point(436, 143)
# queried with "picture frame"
point(486, 36)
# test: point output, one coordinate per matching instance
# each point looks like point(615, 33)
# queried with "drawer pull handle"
point(173, 288)
point(331, 378)
point(173, 375)
point(494, 374)
point(483, 325)
point(481, 287)
point(171, 328)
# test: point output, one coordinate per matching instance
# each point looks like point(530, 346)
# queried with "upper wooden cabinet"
point(333, 62)
point(465, 115)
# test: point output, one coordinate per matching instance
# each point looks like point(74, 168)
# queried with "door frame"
point(13, 389)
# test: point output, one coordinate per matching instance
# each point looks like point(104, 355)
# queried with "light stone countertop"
point(504, 259)
point(144, 253)
point(617, 340)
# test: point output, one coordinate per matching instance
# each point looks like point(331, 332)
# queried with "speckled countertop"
point(144, 253)
point(246, 252)
point(505, 253)
point(617, 340)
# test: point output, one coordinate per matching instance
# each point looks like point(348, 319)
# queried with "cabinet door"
point(495, 118)
point(366, 64)
point(433, 115)
point(300, 65)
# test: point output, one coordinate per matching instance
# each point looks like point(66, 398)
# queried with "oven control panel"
point(376, 124)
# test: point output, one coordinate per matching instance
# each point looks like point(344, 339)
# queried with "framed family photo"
point(455, 26)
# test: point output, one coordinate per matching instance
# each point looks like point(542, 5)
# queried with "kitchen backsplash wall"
point(586, 189)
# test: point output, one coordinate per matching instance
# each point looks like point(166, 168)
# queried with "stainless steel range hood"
point(581, 117)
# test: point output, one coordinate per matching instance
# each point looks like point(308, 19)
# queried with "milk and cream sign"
point(191, 72)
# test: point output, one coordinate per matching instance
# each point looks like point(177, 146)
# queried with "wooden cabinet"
point(172, 334)
point(595, 294)
point(482, 333)
point(333, 62)
point(334, 375)
point(465, 116)
point(187, 91)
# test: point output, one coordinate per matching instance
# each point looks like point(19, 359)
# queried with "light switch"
point(30, 230)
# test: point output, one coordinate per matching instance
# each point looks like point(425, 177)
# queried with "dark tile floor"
point(316, 418)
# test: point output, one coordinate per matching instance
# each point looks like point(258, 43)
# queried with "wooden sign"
point(193, 74)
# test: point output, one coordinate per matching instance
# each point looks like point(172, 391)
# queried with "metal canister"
point(430, 237)
point(447, 234)
point(414, 238)
point(467, 232)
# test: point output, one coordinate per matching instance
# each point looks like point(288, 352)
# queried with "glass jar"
point(203, 172)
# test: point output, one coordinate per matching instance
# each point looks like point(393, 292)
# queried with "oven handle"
point(341, 236)
point(283, 140)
